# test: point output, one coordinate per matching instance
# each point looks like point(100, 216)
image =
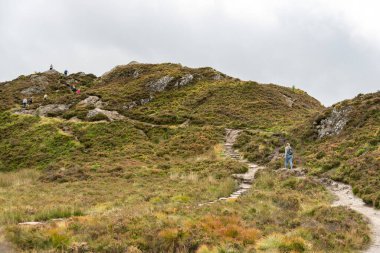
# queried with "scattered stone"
point(186, 79)
point(135, 74)
point(79, 247)
point(130, 105)
point(52, 72)
point(25, 112)
point(111, 115)
point(133, 249)
point(39, 80)
point(217, 77)
point(52, 109)
point(185, 124)
point(289, 101)
point(145, 100)
point(93, 101)
point(33, 90)
point(133, 63)
point(297, 172)
point(245, 179)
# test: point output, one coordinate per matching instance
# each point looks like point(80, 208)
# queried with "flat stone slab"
point(31, 223)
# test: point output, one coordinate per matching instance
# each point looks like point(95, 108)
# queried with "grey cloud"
point(313, 50)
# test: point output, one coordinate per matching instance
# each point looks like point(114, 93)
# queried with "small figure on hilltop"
point(51, 67)
point(30, 100)
point(288, 156)
point(73, 88)
point(24, 103)
point(45, 97)
point(65, 72)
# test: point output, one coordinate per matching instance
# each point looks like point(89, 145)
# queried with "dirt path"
point(343, 192)
point(345, 197)
point(4, 246)
point(245, 179)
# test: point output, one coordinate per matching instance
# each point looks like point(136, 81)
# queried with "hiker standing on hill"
point(51, 67)
point(65, 72)
point(288, 156)
point(30, 100)
point(24, 102)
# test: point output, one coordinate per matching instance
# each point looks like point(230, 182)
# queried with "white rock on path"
point(111, 115)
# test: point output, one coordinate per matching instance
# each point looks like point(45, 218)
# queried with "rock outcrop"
point(38, 79)
point(92, 101)
point(289, 101)
point(33, 90)
point(160, 84)
point(52, 109)
point(334, 123)
point(111, 115)
point(25, 112)
point(186, 79)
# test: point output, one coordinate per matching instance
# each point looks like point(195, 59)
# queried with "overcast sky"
point(331, 49)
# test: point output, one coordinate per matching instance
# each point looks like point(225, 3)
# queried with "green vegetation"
point(135, 185)
point(353, 156)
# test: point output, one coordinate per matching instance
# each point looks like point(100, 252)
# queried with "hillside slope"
point(343, 142)
point(125, 164)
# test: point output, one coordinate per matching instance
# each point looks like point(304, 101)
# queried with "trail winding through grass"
point(343, 192)
point(4, 246)
point(245, 179)
point(345, 197)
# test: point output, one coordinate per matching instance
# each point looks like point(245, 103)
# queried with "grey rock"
point(33, 90)
point(142, 101)
point(135, 74)
point(25, 112)
point(51, 109)
point(133, 63)
point(130, 105)
point(186, 79)
point(39, 80)
point(289, 101)
point(217, 77)
point(146, 100)
point(93, 101)
point(111, 115)
point(160, 84)
point(333, 124)
point(52, 72)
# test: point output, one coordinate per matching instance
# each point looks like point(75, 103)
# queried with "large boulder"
point(334, 123)
point(111, 115)
point(186, 79)
point(160, 84)
point(52, 109)
point(91, 101)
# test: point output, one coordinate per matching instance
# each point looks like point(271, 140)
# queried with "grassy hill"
point(127, 162)
point(349, 151)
